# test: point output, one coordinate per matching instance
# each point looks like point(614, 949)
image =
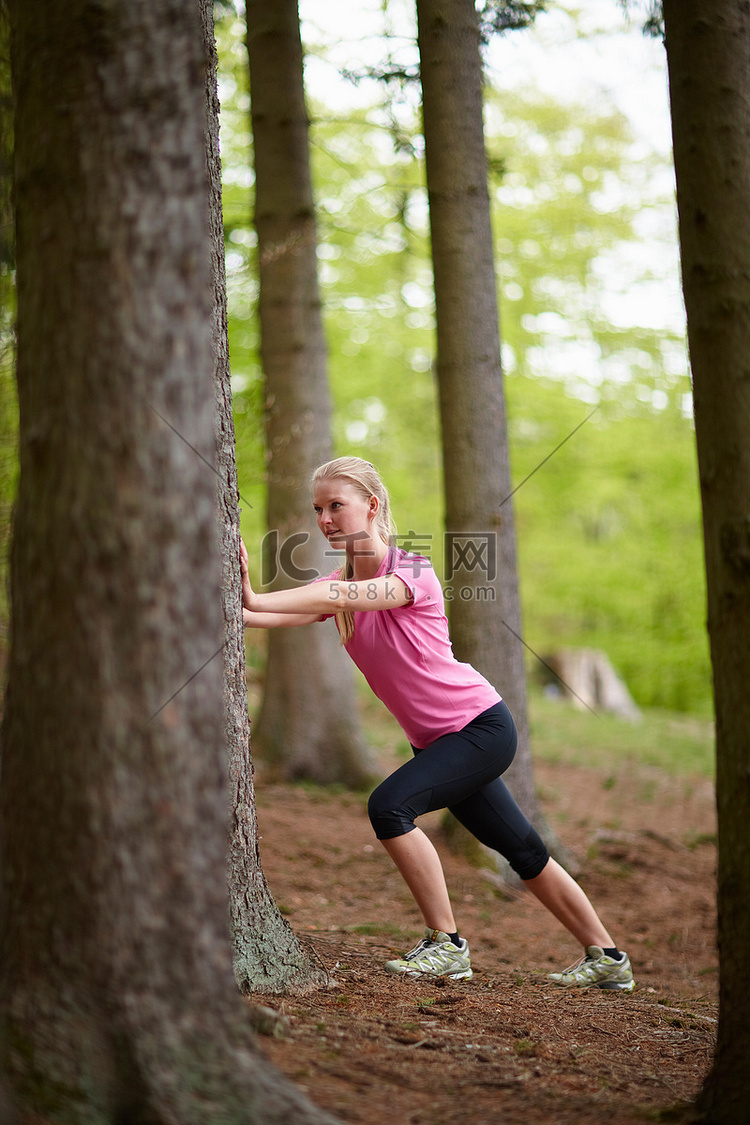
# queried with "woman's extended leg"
point(449, 770)
point(559, 892)
point(495, 819)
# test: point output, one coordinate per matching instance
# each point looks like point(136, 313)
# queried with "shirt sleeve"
point(420, 580)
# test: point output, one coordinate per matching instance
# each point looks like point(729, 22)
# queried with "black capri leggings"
point(461, 771)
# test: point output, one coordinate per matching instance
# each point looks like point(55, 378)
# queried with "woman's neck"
point(366, 558)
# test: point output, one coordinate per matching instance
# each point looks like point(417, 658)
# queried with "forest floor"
point(506, 1046)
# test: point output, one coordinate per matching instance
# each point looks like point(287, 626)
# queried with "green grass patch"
point(376, 928)
point(671, 741)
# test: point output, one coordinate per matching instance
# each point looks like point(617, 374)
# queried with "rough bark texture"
point(307, 727)
point(6, 145)
point(117, 1001)
point(484, 608)
point(709, 77)
point(267, 954)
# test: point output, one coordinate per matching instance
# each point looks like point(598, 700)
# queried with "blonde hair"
point(366, 479)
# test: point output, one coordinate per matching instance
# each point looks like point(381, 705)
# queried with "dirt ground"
point(506, 1046)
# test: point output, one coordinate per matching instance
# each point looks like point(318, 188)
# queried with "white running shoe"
point(434, 956)
point(596, 970)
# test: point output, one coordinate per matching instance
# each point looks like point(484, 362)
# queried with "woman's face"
point(344, 514)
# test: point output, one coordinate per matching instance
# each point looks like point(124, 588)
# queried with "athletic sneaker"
point(434, 956)
point(597, 970)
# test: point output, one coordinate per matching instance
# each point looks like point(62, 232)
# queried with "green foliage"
point(609, 540)
point(498, 16)
point(609, 529)
point(650, 12)
point(565, 210)
point(377, 286)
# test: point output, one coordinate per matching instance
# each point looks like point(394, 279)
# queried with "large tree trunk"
point(308, 725)
point(709, 77)
point(117, 998)
point(481, 575)
point(267, 954)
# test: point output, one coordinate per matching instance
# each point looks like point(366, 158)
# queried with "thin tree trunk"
point(308, 725)
point(708, 54)
point(8, 410)
point(481, 575)
point(268, 957)
point(6, 144)
point(116, 995)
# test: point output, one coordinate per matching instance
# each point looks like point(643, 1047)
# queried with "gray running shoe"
point(434, 956)
point(597, 970)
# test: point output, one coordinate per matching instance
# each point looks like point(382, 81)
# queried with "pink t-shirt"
point(405, 654)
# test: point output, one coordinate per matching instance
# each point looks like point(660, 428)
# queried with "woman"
point(388, 606)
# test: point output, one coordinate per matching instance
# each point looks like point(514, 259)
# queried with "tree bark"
point(6, 146)
point(268, 957)
point(308, 726)
point(116, 995)
point(708, 55)
point(481, 579)
point(8, 411)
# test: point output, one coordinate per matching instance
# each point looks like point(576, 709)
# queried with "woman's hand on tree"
point(247, 590)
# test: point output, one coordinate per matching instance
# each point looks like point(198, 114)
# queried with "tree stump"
point(586, 677)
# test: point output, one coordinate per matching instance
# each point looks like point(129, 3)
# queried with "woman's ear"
point(374, 505)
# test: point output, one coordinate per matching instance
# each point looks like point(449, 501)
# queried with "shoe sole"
point(615, 986)
point(466, 975)
point(606, 985)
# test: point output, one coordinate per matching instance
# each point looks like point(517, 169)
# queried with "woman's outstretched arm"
point(251, 619)
point(307, 603)
point(276, 620)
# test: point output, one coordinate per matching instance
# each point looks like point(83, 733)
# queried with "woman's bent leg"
point(421, 869)
point(449, 770)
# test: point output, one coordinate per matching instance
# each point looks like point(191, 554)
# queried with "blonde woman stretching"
point(388, 606)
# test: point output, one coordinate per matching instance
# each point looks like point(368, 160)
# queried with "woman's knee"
point(529, 857)
point(387, 815)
